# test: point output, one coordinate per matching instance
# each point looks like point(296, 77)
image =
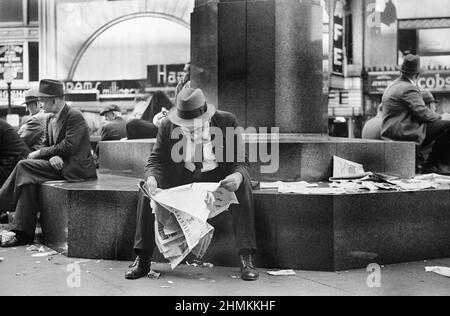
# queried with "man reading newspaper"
point(187, 152)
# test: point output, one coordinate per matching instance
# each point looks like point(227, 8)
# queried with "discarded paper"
point(154, 275)
point(282, 273)
point(444, 271)
point(45, 254)
point(345, 169)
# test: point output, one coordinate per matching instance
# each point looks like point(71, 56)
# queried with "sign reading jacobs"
point(432, 81)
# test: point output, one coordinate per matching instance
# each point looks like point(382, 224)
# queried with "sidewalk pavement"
point(22, 274)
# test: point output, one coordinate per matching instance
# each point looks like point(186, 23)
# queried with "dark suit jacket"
point(72, 144)
point(115, 130)
point(167, 171)
point(33, 132)
point(12, 148)
point(404, 113)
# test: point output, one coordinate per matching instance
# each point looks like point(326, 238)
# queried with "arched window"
point(124, 50)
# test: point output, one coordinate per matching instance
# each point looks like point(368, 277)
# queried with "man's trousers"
point(19, 193)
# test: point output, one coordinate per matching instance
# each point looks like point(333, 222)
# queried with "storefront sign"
point(94, 90)
point(12, 56)
point(164, 75)
point(17, 96)
point(338, 39)
point(435, 82)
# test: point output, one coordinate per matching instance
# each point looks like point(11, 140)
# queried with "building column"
point(262, 60)
point(47, 43)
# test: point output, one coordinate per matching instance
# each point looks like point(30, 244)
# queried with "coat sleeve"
point(415, 103)
point(241, 163)
point(160, 156)
point(76, 127)
point(32, 128)
point(105, 133)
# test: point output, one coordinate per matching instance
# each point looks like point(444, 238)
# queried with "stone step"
point(300, 157)
point(97, 220)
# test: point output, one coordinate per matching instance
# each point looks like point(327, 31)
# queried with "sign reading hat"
point(110, 108)
point(31, 96)
point(49, 88)
point(191, 106)
point(411, 65)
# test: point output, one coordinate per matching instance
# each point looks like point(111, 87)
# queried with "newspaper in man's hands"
point(181, 216)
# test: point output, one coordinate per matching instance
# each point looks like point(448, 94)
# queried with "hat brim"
point(175, 119)
point(49, 96)
point(31, 101)
point(421, 70)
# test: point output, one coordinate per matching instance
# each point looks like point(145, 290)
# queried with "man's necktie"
point(198, 160)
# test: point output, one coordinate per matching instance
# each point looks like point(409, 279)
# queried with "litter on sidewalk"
point(444, 271)
point(45, 254)
point(6, 236)
point(282, 273)
point(154, 275)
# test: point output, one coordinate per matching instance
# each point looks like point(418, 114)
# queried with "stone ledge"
point(301, 157)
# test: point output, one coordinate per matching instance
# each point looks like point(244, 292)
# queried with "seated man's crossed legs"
point(19, 194)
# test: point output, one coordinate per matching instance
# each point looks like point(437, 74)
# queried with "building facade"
point(19, 51)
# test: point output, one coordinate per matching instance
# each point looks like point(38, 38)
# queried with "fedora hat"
point(31, 96)
point(191, 106)
point(428, 97)
point(411, 65)
point(50, 89)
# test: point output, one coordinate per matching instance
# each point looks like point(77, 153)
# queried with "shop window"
point(407, 42)
point(434, 42)
point(33, 11)
point(11, 11)
point(33, 61)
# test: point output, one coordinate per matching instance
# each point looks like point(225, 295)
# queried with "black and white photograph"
point(225, 155)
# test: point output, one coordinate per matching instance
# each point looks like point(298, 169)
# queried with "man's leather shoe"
point(248, 270)
point(139, 269)
point(14, 242)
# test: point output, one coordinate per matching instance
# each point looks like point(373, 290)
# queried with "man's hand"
point(34, 154)
point(160, 116)
point(232, 182)
point(57, 163)
point(152, 185)
point(446, 117)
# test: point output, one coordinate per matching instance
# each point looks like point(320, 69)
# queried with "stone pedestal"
point(126, 158)
point(262, 61)
point(97, 220)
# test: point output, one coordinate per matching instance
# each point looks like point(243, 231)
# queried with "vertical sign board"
point(338, 57)
point(12, 56)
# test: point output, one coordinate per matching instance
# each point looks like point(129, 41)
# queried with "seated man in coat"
point(197, 163)
point(12, 150)
point(33, 131)
point(115, 127)
point(407, 118)
point(65, 155)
